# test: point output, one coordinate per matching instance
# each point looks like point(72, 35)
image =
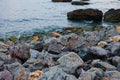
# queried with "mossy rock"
point(13, 39)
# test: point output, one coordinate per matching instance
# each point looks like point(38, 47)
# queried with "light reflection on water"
point(18, 16)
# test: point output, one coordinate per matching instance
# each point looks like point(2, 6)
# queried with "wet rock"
point(70, 62)
point(79, 3)
point(37, 46)
point(54, 47)
point(92, 74)
point(6, 75)
point(35, 64)
point(61, 0)
point(18, 71)
point(35, 75)
point(85, 14)
point(20, 51)
point(116, 60)
point(112, 75)
point(103, 65)
point(112, 15)
point(13, 39)
point(56, 73)
point(114, 49)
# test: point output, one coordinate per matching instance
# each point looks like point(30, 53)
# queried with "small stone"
point(118, 67)
point(102, 44)
point(79, 3)
point(55, 34)
point(35, 75)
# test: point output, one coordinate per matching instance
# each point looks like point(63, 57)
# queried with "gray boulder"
point(70, 62)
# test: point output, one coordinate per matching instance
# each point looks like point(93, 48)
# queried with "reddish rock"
point(6, 75)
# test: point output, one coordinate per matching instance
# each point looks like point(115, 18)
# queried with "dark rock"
point(112, 15)
point(70, 62)
point(113, 75)
point(118, 67)
point(95, 52)
point(79, 3)
point(116, 60)
point(6, 75)
point(54, 47)
point(103, 65)
point(37, 46)
point(20, 51)
point(61, 0)
point(85, 14)
point(18, 71)
point(92, 74)
point(56, 73)
point(35, 64)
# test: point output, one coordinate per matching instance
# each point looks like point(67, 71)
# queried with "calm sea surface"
point(28, 16)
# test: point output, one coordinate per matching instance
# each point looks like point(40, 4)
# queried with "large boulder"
point(70, 62)
point(61, 0)
point(85, 14)
point(112, 15)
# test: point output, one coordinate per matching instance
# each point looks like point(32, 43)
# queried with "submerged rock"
point(112, 15)
point(79, 3)
point(85, 14)
point(70, 62)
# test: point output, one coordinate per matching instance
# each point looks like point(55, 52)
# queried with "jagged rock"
point(92, 74)
point(103, 65)
point(116, 60)
point(35, 75)
point(18, 71)
point(20, 51)
point(56, 73)
point(37, 46)
point(70, 62)
point(79, 3)
point(34, 54)
point(54, 47)
point(6, 75)
point(35, 64)
point(112, 75)
point(112, 15)
point(85, 14)
point(61, 0)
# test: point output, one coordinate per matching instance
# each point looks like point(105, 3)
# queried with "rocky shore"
point(75, 53)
